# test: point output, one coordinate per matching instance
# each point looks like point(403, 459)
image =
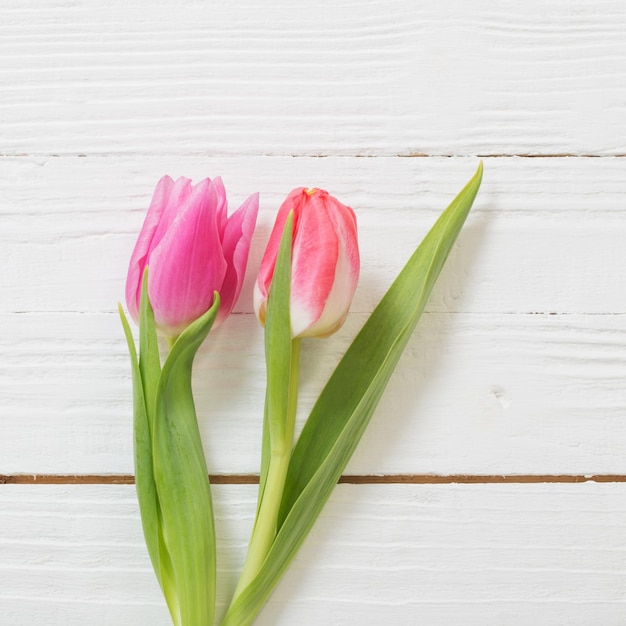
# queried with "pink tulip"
point(325, 262)
point(192, 249)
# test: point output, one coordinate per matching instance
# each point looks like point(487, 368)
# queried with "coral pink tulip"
point(325, 262)
point(192, 249)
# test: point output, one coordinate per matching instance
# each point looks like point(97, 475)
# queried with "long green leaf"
point(278, 342)
point(346, 404)
point(150, 370)
point(365, 369)
point(144, 480)
point(278, 354)
point(149, 359)
point(281, 356)
point(182, 483)
point(146, 373)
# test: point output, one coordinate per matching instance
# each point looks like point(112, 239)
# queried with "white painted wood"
point(394, 554)
point(487, 386)
point(517, 367)
point(481, 390)
point(486, 393)
point(546, 235)
point(322, 77)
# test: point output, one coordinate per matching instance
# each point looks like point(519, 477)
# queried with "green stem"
point(265, 526)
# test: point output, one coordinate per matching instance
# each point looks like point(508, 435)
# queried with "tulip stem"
point(265, 526)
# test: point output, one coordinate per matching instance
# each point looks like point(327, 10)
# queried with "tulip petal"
point(325, 262)
point(236, 246)
point(168, 196)
point(315, 256)
point(346, 275)
point(187, 265)
point(138, 258)
point(268, 263)
point(221, 205)
point(266, 271)
point(178, 195)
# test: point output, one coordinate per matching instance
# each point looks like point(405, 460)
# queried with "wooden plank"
point(546, 235)
point(487, 386)
point(474, 393)
point(323, 78)
point(435, 554)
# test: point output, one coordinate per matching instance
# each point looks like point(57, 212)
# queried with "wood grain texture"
point(410, 554)
point(473, 394)
point(345, 479)
point(492, 382)
point(356, 78)
point(546, 235)
point(516, 369)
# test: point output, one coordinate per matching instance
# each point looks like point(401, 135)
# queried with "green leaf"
point(182, 482)
point(144, 481)
point(282, 358)
point(352, 393)
point(277, 353)
point(146, 372)
point(346, 404)
point(149, 360)
point(150, 371)
point(265, 456)
point(278, 344)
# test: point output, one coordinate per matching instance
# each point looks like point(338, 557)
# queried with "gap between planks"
point(320, 155)
point(361, 479)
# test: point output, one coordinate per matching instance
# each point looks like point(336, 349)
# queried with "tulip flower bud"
point(192, 249)
point(325, 262)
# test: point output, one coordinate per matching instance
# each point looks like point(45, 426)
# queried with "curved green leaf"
point(144, 480)
point(346, 404)
point(366, 367)
point(182, 482)
point(282, 359)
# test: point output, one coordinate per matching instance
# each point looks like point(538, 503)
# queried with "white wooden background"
point(472, 505)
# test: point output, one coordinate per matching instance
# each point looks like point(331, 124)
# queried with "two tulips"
point(193, 249)
point(186, 273)
point(185, 276)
